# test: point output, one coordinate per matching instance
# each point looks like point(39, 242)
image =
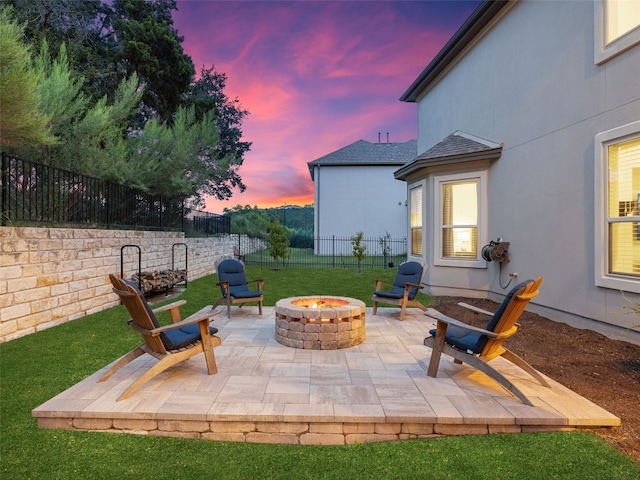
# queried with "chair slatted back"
point(140, 312)
point(506, 325)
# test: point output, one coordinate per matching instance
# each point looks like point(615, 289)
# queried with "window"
point(617, 198)
point(459, 205)
point(617, 27)
point(415, 221)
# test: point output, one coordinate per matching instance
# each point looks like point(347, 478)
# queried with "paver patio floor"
point(267, 392)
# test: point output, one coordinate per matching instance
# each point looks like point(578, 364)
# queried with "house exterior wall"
point(367, 198)
point(531, 82)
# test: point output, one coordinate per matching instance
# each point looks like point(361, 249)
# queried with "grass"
point(37, 367)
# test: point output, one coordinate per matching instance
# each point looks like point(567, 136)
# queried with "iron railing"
point(36, 193)
point(330, 252)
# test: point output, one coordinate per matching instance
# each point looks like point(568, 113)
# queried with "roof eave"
point(423, 163)
point(476, 22)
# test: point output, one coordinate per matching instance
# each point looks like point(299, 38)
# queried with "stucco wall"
point(50, 276)
point(531, 83)
point(360, 198)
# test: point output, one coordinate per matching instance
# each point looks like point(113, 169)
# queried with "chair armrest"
point(259, 281)
point(204, 314)
point(475, 309)
point(174, 308)
point(225, 286)
point(409, 286)
point(430, 312)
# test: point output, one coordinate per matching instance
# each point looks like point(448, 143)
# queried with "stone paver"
point(270, 393)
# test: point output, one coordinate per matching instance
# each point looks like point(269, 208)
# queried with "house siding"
point(531, 83)
point(360, 198)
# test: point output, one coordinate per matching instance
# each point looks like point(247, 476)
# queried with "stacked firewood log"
point(158, 282)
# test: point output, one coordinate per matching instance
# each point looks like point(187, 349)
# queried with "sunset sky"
point(315, 76)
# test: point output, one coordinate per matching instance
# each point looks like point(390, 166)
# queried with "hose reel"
point(497, 251)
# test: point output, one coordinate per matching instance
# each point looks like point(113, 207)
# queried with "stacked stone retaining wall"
point(50, 276)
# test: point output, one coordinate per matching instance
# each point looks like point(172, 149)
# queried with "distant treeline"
point(254, 221)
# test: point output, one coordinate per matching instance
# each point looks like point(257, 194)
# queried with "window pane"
point(460, 242)
point(415, 200)
point(416, 241)
point(624, 178)
point(460, 203)
point(623, 193)
point(459, 219)
point(625, 248)
point(416, 207)
point(622, 16)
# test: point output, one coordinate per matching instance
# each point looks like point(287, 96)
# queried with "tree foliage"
point(207, 95)
point(152, 48)
point(91, 134)
point(277, 242)
point(120, 99)
point(359, 249)
point(22, 119)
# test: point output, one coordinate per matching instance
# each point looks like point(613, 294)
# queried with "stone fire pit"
point(320, 322)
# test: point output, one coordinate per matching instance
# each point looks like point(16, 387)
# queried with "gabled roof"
point(466, 34)
point(366, 154)
point(456, 148)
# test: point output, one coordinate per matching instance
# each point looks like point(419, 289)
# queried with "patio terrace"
point(267, 392)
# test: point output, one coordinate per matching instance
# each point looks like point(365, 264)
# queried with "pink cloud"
point(315, 76)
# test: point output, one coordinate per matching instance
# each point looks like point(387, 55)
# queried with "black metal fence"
point(330, 252)
point(36, 193)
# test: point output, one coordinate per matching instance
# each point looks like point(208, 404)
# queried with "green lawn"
point(39, 366)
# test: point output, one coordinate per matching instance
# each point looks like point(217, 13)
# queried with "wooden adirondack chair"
point(235, 287)
point(477, 346)
point(403, 292)
point(170, 344)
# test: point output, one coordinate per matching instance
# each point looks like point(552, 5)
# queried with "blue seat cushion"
point(181, 337)
point(462, 339)
point(244, 293)
point(473, 341)
point(393, 293)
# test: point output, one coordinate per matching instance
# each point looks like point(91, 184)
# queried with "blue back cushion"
point(174, 339)
point(232, 271)
point(475, 342)
point(408, 272)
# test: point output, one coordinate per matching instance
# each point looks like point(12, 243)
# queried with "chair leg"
point(437, 346)
point(516, 360)
point(208, 342)
point(260, 307)
point(375, 308)
point(121, 362)
point(403, 308)
point(164, 363)
point(490, 371)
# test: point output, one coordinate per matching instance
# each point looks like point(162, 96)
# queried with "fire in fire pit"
point(315, 302)
point(320, 323)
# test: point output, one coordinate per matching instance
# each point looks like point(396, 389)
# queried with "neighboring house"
point(354, 190)
point(529, 120)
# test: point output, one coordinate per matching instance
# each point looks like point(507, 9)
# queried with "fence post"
point(333, 250)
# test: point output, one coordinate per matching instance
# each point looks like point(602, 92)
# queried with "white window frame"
point(477, 262)
point(418, 185)
point(603, 50)
point(602, 141)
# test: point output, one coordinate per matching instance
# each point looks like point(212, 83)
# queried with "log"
point(159, 282)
